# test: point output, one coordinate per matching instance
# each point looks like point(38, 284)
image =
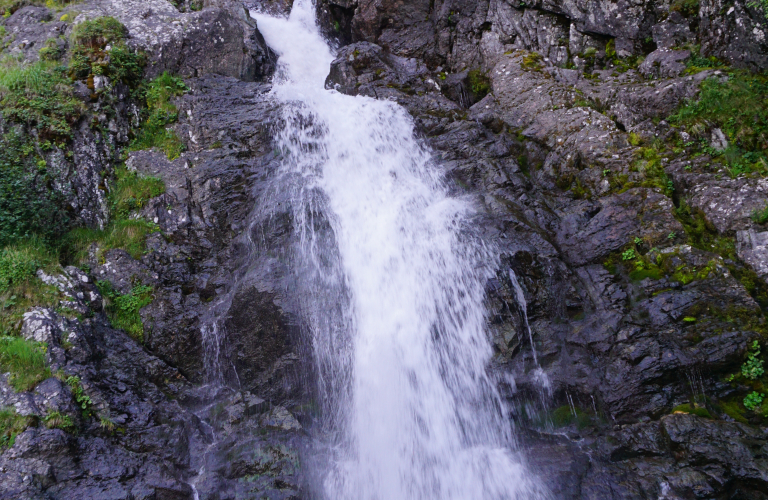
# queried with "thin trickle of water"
point(520, 297)
point(393, 289)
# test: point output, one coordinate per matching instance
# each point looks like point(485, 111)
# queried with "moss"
point(11, 425)
point(702, 234)
point(564, 416)
point(123, 310)
point(479, 83)
point(25, 360)
point(532, 62)
point(688, 8)
point(162, 112)
point(694, 410)
point(733, 410)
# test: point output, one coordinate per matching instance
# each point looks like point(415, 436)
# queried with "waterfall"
point(392, 292)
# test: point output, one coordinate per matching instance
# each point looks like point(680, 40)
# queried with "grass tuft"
point(25, 360)
point(11, 425)
point(123, 310)
point(162, 112)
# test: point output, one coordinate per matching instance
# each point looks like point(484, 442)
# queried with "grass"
point(739, 107)
point(56, 420)
point(39, 96)
point(132, 191)
point(19, 288)
point(154, 132)
point(25, 360)
point(11, 425)
point(123, 310)
point(127, 234)
point(8, 7)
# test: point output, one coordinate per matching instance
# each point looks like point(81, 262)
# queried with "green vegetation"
point(79, 394)
point(753, 401)
point(18, 263)
point(692, 409)
point(760, 5)
point(479, 83)
point(11, 425)
point(739, 107)
point(25, 360)
point(532, 61)
point(565, 415)
point(40, 97)
point(56, 420)
point(98, 48)
point(132, 191)
point(28, 207)
point(688, 8)
point(161, 113)
point(51, 51)
point(8, 7)
point(123, 310)
point(753, 366)
point(760, 216)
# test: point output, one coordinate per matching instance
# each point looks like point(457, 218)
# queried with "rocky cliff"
point(153, 348)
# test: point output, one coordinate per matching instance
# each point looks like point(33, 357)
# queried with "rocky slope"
point(634, 236)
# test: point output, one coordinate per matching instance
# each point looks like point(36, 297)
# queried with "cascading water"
point(393, 297)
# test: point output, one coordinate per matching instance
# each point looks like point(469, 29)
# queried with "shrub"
point(28, 206)
point(11, 425)
point(161, 113)
point(123, 310)
point(98, 48)
point(39, 96)
point(25, 360)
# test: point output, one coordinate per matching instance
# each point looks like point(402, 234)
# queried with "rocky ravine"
point(640, 264)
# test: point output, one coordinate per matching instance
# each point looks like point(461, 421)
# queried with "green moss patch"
point(693, 410)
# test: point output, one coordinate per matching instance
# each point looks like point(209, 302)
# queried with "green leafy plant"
point(25, 360)
point(162, 112)
point(753, 400)
point(83, 400)
point(760, 5)
point(132, 191)
point(629, 254)
point(123, 310)
point(753, 366)
point(760, 216)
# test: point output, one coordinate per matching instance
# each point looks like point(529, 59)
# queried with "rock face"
point(637, 318)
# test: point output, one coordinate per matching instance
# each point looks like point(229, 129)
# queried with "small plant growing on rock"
point(123, 310)
point(57, 420)
point(11, 425)
point(629, 254)
point(753, 400)
point(25, 360)
point(78, 392)
point(479, 83)
point(154, 131)
point(753, 366)
point(760, 216)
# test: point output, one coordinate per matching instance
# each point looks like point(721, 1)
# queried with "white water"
point(396, 295)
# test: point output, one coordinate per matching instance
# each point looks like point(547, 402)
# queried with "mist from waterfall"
point(392, 293)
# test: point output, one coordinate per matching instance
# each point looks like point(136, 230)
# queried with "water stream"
point(393, 289)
